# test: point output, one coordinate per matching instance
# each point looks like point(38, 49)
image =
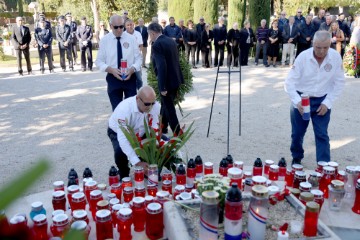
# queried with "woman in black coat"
point(247, 39)
point(190, 39)
point(206, 38)
point(274, 36)
point(233, 41)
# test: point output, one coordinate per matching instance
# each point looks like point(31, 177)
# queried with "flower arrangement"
point(351, 60)
point(152, 148)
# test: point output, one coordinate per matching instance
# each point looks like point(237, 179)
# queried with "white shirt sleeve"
point(101, 56)
point(293, 77)
point(338, 83)
point(137, 57)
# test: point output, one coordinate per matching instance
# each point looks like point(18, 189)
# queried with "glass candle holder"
point(113, 202)
point(239, 164)
point(356, 207)
point(154, 221)
point(78, 201)
point(208, 168)
point(325, 181)
point(299, 177)
point(178, 189)
point(83, 227)
point(189, 187)
point(114, 211)
point(60, 225)
point(149, 199)
point(248, 184)
point(162, 197)
point(341, 176)
point(80, 215)
point(167, 186)
point(139, 214)
point(152, 190)
point(140, 191)
point(103, 205)
point(89, 186)
point(289, 177)
point(126, 182)
point(125, 220)
point(71, 190)
point(139, 174)
point(40, 227)
point(311, 219)
point(95, 197)
point(351, 177)
point(116, 189)
point(318, 197)
point(209, 215)
point(268, 163)
point(313, 180)
point(257, 167)
point(274, 172)
point(153, 174)
point(306, 197)
point(128, 194)
point(335, 165)
point(320, 166)
point(236, 176)
point(111, 196)
point(59, 200)
point(305, 187)
point(104, 228)
point(59, 186)
point(258, 212)
point(166, 175)
point(336, 195)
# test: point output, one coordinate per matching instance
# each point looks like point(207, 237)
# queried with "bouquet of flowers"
point(152, 148)
point(351, 60)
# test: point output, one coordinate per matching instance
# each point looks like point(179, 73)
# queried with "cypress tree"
point(235, 12)
point(259, 9)
point(207, 9)
point(181, 9)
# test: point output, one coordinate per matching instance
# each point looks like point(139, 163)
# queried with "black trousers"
point(118, 89)
point(181, 47)
point(244, 54)
point(168, 111)
point(205, 57)
point(302, 47)
point(74, 49)
point(26, 53)
point(190, 49)
point(233, 55)
point(120, 157)
point(219, 49)
point(48, 53)
point(198, 49)
point(88, 51)
point(62, 51)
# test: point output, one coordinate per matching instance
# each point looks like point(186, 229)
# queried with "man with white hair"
point(289, 37)
point(233, 40)
point(318, 73)
point(262, 40)
point(220, 34)
point(116, 46)
point(326, 25)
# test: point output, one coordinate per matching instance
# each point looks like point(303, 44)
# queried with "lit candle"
point(282, 235)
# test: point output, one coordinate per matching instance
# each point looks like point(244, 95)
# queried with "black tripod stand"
point(228, 71)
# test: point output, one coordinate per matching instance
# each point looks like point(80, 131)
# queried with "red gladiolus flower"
point(161, 143)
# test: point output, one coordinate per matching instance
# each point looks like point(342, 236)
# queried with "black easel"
point(212, 104)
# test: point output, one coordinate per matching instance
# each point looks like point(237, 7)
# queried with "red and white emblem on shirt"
point(328, 67)
point(126, 45)
point(121, 122)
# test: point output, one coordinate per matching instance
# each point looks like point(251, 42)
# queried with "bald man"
point(132, 110)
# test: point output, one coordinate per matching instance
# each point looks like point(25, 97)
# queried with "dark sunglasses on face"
point(116, 27)
point(146, 103)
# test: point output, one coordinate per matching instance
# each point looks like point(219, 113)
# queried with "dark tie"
point(119, 52)
point(21, 31)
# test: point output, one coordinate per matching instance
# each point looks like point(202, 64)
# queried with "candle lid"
point(114, 201)
point(351, 169)
point(79, 225)
point(90, 184)
point(138, 169)
point(153, 166)
point(210, 196)
point(17, 219)
point(56, 212)
point(78, 197)
point(126, 179)
point(337, 184)
point(111, 196)
point(273, 190)
point(239, 163)
point(305, 185)
point(185, 196)
point(328, 170)
point(235, 172)
point(295, 191)
point(57, 195)
point(60, 220)
point(180, 188)
point(125, 213)
point(128, 190)
point(269, 162)
point(162, 194)
point(317, 193)
point(37, 206)
point(259, 180)
point(189, 186)
point(103, 215)
point(73, 188)
point(166, 182)
point(247, 174)
point(297, 167)
point(80, 213)
point(141, 188)
point(40, 219)
point(306, 196)
point(259, 191)
point(58, 184)
point(342, 173)
point(95, 193)
point(301, 174)
point(312, 206)
point(138, 201)
point(153, 208)
point(115, 186)
point(149, 198)
point(322, 164)
point(116, 207)
point(208, 164)
point(126, 205)
point(151, 185)
point(333, 164)
point(102, 186)
point(102, 204)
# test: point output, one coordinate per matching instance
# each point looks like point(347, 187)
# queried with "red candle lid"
point(154, 208)
point(114, 201)
point(78, 197)
point(126, 179)
point(40, 219)
point(73, 189)
point(91, 184)
point(274, 167)
point(115, 186)
point(58, 195)
point(128, 190)
point(56, 212)
point(95, 194)
point(103, 215)
point(60, 220)
point(138, 201)
point(58, 184)
point(328, 170)
point(17, 219)
point(162, 194)
point(80, 214)
point(125, 213)
point(79, 225)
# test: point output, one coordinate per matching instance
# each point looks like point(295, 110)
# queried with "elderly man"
point(172, 30)
point(132, 110)
point(142, 29)
point(181, 45)
point(63, 37)
point(20, 39)
point(326, 25)
point(200, 27)
point(262, 40)
point(289, 38)
point(317, 21)
point(84, 35)
point(299, 18)
point(114, 47)
point(306, 35)
point(220, 34)
point(282, 21)
point(318, 73)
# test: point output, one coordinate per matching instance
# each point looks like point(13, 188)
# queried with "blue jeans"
point(320, 126)
point(264, 48)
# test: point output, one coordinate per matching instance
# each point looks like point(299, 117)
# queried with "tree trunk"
point(20, 8)
point(272, 7)
point(95, 10)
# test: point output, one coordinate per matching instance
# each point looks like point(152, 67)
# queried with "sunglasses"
point(299, 12)
point(116, 27)
point(147, 104)
point(126, 13)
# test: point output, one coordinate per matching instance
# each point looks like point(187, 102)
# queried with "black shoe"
point(72, 70)
point(42, 71)
point(267, 65)
point(165, 131)
point(194, 67)
point(197, 62)
point(296, 161)
point(90, 69)
point(274, 65)
point(83, 70)
point(30, 73)
point(21, 74)
point(52, 71)
point(64, 70)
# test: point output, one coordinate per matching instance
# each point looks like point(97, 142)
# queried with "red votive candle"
point(80, 215)
point(299, 177)
point(356, 207)
point(116, 189)
point(268, 163)
point(89, 186)
point(178, 189)
point(59, 200)
point(167, 186)
point(104, 228)
point(95, 197)
point(152, 190)
point(318, 197)
point(83, 227)
point(40, 227)
point(139, 214)
point(128, 194)
point(124, 218)
point(60, 225)
point(311, 219)
point(208, 168)
point(59, 186)
point(154, 221)
point(71, 190)
point(166, 175)
point(114, 211)
point(139, 174)
point(103, 205)
point(289, 177)
point(126, 182)
point(325, 181)
point(235, 175)
point(274, 172)
point(149, 199)
point(78, 201)
point(140, 191)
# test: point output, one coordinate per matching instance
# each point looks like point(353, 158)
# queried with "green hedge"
point(207, 9)
point(258, 10)
point(181, 9)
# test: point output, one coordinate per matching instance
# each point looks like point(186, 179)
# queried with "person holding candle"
point(132, 110)
point(318, 72)
point(116, 46)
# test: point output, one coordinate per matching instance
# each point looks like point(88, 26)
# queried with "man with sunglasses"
point(299, 18)
point(132, 111)
point(116, 46)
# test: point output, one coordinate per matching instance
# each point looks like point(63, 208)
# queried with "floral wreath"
point(351, 61)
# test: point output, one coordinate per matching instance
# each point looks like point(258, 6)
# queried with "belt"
point(310, 95)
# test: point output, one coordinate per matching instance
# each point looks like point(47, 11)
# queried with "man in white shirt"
point(130, 29)
point(114, 47)
point(317, 72)
point(132, 110)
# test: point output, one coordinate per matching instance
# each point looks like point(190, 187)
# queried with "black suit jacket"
point(18, 39)
point(244, 36)
point(63, 35)
point(286, 34)
point(144, 35)
point(165, 59)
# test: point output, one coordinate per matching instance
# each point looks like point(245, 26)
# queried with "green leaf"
point(18, 186)
point(74, 235)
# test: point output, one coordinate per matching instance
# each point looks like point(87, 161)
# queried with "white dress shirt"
point(107, 54)
point(138, 37)
point(308, 77)
point(127, 111)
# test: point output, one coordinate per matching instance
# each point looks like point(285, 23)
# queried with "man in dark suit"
point(84, 34)
point(44, 39)
point(47, 23)
point(73, 28)
point(200, 27)
point(144, 33)
point(289, 38)
point(63, 36)
point(165, 59)
point(220, 34)
point(21, 38)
